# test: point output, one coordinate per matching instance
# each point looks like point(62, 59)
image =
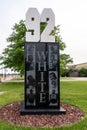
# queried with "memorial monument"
point(42, 82)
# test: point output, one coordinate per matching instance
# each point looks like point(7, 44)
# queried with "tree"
point(13, 55)
point(83, 72)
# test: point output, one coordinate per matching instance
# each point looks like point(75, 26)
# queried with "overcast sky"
point(71, 15)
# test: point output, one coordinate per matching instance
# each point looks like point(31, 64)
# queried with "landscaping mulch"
point(11, 114)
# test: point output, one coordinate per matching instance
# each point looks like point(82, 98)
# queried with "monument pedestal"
point(42, 83)
point(24, 111)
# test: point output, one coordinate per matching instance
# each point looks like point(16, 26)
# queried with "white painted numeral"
point(48, 17)
point(32, 25)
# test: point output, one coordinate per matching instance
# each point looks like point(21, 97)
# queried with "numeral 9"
point(32, 25)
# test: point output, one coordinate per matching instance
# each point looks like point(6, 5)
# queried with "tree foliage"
point(13, 55)
point(83, 72)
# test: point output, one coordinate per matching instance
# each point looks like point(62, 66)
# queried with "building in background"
point(74, 69)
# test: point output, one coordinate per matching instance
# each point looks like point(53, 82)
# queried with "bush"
point(83, 72)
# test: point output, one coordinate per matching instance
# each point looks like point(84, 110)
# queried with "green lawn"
point(74, 93)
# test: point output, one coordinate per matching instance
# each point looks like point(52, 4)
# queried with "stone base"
point(24, 111)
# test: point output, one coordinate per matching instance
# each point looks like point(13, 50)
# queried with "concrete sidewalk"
point(10, 79)
point(73, 79)
point(61, 79)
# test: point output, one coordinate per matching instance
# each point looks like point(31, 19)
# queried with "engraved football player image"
point(31, 81)
point(31, 97)
point(31, 49)
point(53, 79)
point(52, 76)
point(53, 50)
point(53, 87)
point(53, 97)
point(53, 84)
point(53, 62)
point(30, 63)
point(30, 58)
point(31, 84)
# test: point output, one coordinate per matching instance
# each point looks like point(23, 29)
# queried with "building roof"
point(79, 66)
